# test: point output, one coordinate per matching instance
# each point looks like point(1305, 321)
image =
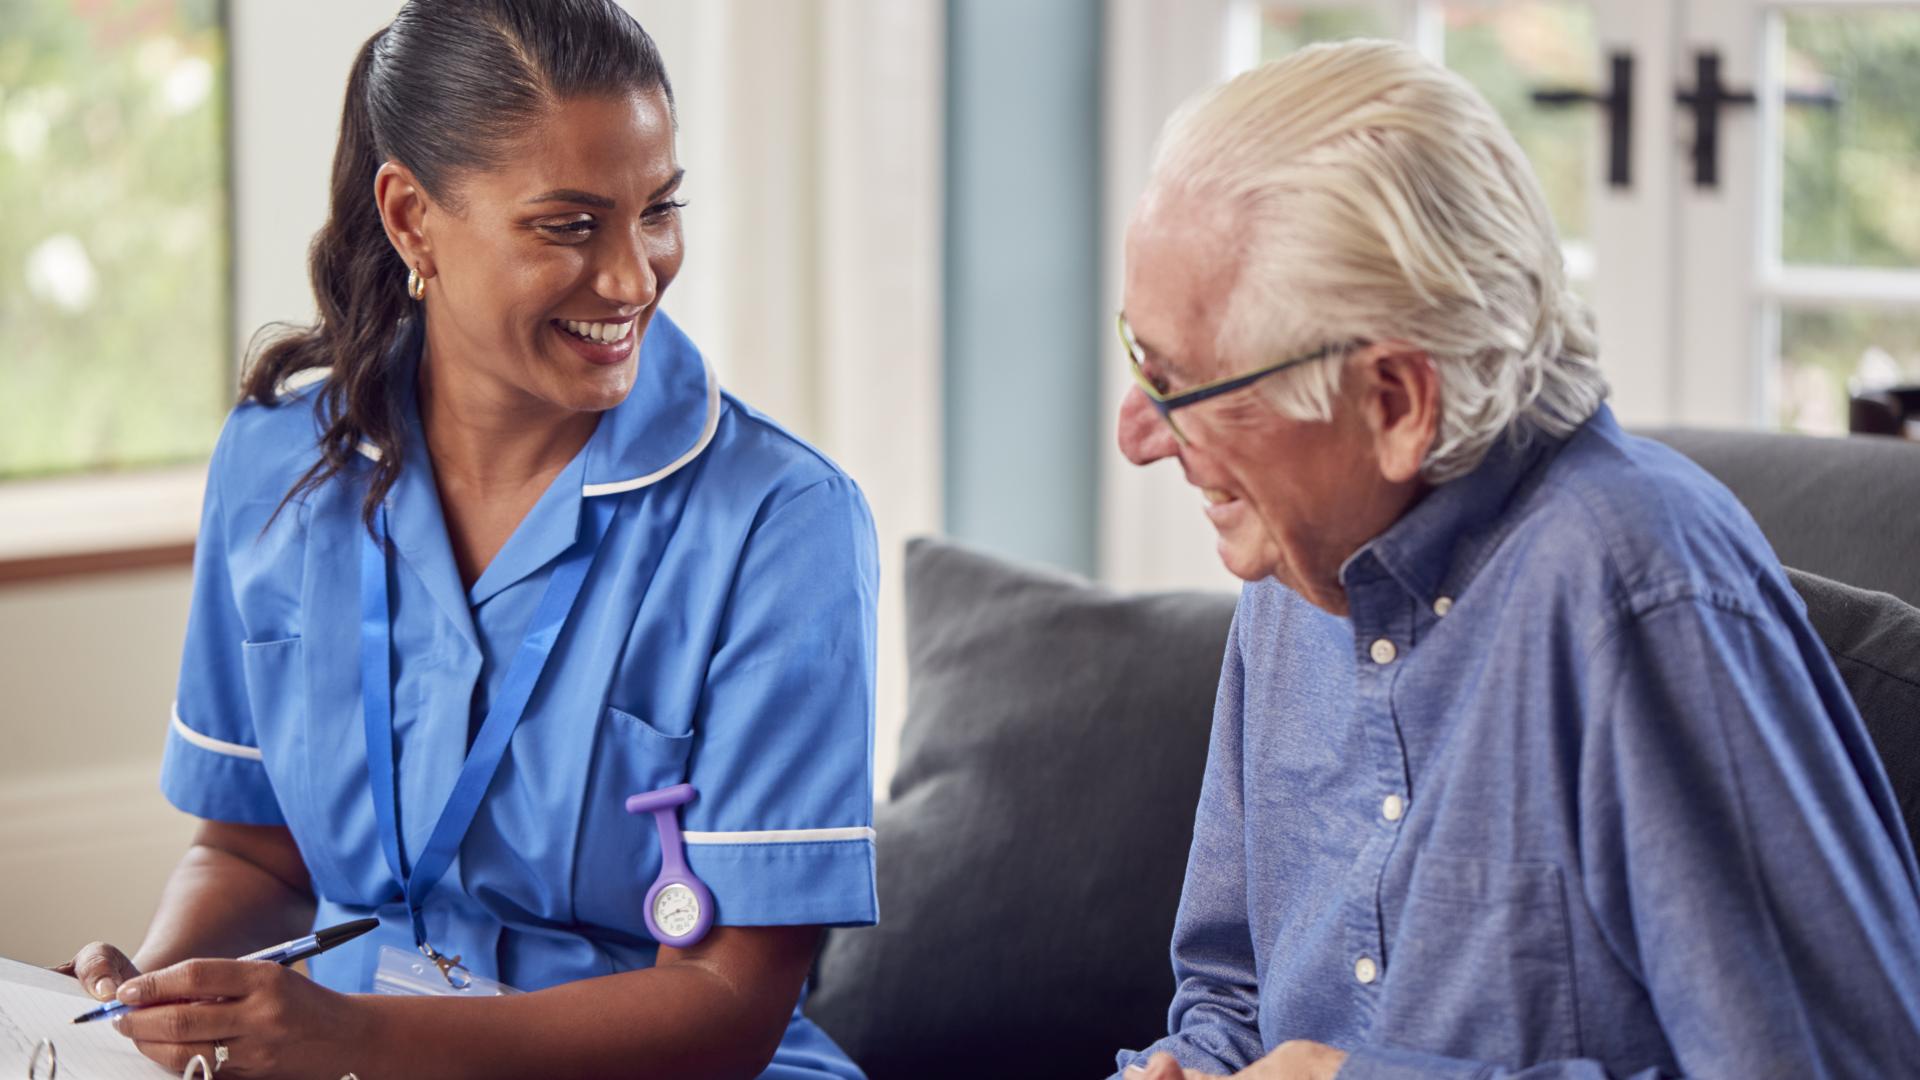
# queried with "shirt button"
point(1365, 969)
point(1383, 651)
point(1442, 606)
point(1393, 808)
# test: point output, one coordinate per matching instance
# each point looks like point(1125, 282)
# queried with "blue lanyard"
point(490, 745)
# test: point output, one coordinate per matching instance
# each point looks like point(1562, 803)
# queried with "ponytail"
point(359, 284)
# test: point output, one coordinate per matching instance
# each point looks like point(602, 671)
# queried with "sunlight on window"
point(114, 329)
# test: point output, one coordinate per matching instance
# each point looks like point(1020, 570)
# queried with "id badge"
point(411, 974)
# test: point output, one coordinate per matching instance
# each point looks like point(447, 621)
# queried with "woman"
point(507, 420)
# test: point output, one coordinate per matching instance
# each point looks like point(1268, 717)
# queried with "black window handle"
point(1618, 102)
point(1706, 98)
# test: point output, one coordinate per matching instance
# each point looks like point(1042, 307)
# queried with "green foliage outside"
point(1509, 51)
point(1284, 29)
point(1824, 352)
point(114, 331)
point(1850, 188)
point(1506, 51)
point(1851, 175)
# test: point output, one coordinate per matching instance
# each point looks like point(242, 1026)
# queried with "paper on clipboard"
point(37, 1004)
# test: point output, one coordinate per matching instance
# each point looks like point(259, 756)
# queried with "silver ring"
point(45, 1049)
point(220, 1054)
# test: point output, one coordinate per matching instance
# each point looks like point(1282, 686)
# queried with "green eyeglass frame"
point(1166, 403)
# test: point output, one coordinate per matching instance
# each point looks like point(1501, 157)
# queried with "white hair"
point(1378, 197)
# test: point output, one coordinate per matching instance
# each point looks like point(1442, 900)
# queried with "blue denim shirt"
point(1574, 792)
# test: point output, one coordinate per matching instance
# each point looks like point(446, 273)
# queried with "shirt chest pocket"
point(1479, 964)
point(275, 686)
point(316, 765)
point(618, 854)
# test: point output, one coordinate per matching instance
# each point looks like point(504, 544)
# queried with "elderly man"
point(1525, 761)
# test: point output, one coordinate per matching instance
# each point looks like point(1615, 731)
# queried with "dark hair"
point(445, 88)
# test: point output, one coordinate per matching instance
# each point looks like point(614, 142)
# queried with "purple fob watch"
point(679, 908)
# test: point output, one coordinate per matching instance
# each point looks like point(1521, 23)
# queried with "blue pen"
point(291, 952)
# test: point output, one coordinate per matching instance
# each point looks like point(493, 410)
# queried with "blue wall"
point(1022, 343)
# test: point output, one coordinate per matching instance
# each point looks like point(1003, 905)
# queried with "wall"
point(85, 837)
point(1158, 52)
point(1023, 342)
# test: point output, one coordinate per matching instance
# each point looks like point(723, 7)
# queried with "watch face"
point(676, 910)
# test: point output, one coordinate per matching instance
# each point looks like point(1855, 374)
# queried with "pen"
point(290, 952)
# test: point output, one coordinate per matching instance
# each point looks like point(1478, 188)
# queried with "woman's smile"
point(604, 343)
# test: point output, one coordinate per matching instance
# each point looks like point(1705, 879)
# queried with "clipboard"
point(43, 1058)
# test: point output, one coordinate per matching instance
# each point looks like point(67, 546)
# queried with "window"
point(1847, 142)
point(115, 338)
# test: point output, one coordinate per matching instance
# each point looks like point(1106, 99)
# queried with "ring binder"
point(46, 1051)
point(197, 1067)
point(44, 1048)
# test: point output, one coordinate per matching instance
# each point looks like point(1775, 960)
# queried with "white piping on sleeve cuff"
point(209, 743)
point(780, 836)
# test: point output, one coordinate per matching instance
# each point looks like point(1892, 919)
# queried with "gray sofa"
point(1033, 847)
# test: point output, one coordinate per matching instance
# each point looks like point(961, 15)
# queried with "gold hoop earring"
point(416, 285)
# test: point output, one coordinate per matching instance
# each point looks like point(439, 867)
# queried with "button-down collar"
point(1438, 546)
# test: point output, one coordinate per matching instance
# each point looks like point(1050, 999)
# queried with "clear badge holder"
point(413, 974)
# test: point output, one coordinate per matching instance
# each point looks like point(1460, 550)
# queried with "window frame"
point(115, 520)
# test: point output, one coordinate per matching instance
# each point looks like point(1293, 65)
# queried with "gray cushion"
point(1031, 855)
point(1846, 509)
point(1875, 642)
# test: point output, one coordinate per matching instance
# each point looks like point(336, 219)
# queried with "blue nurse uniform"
point(724, 637)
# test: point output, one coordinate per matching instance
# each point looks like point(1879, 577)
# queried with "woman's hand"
point(271, 1020)
point(100, 969)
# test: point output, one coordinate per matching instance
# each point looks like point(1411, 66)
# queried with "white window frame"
point(99, 513)
point(78, 522)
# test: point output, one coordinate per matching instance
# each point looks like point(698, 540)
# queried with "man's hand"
point(1162, 1066)
point(1297, 1059)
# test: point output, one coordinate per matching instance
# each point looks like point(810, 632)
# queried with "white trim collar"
point(706, 436)
point(666, 351)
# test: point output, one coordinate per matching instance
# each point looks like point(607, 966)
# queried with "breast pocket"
point(277, 695)
point(276, 684)
point(618, 854)
point(1479, 966)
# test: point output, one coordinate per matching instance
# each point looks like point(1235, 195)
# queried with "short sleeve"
point(783, 754)
point(212, 767)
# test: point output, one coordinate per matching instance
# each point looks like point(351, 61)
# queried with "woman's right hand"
point(100, 969)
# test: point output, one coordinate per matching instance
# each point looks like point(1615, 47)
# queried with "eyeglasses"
point(1165, 403)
